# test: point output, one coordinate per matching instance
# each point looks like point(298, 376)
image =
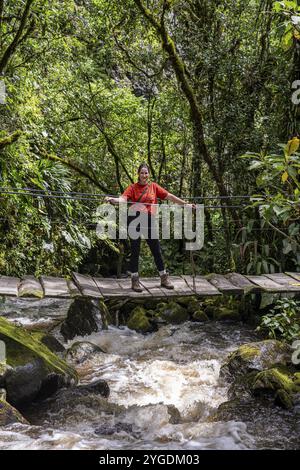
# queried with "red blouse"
point(154, 191)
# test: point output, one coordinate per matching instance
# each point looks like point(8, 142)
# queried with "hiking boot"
point(165, 281)
point(135, 284)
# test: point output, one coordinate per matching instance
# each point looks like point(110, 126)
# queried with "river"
point(164, 391)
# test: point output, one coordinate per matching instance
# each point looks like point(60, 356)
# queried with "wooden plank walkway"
point(106, 288)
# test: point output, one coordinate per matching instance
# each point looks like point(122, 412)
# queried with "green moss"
point(174, 313)
point(246, 352)
point(274, 379)
point(199, 315)
point(139, 321)
point(284, 399)
point(17, 354)
point(297, 378)
point(33, 346)
point(225, 313)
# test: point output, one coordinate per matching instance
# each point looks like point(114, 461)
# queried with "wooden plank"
point(87, 285)
point(290, 283)
point(125, 285)
point(241, 281)
point(73, 289)
point(295, 276)
point(109, 287)
point(152, 284)
point(30, 287)
point(181, 288)
point(266, 284)
point(55, 286)
point(202, 286)
point(9, 285)
point(223, 284)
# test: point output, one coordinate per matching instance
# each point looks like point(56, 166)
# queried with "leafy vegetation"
point(95, 87)
point(283, 321)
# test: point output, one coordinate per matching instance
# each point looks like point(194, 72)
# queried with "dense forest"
point(205, 96)
point(205, 91)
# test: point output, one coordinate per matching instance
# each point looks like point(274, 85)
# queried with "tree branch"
point(11, 48)
point(8, 140)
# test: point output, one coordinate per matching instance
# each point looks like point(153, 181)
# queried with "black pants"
point(146, 228)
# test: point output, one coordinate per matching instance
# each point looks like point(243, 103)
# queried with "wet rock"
point(81, 351)
point(81, 319)
point(225, 313)
point(276, 383)
point(99, 387)
point(284, 399)
point(274, 379)
point(175, 417)
point(240, 389)
point(4, 368)
point(139, 321)
point(256, 356)
point(200, 315)
point(191, 304)
point(173, 313)
point(108, 430)
point(31, 366)
point(9, 415)
point(48, 340)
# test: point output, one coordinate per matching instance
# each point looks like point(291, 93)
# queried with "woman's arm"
point(115, 200)
point(171, 197)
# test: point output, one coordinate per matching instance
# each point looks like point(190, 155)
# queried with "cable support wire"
point(71, 194)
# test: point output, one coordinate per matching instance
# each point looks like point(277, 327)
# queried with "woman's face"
point(143, 175)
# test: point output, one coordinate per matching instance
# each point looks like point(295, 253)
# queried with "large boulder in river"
point(82, 319)
point(256, 357)
point(31, 370)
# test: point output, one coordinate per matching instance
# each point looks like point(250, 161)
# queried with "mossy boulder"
point(278, 383)
point(200, 315)
point(9, 415)
point(82, 319)
point(31, 368)
point(139, 320)
point(48, 340)
point(191, 304)
point(284, 399)
point(256, 357)
point(297, 378)
point(173, 313)
point(225, 313)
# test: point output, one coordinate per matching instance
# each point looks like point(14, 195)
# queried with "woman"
point(144, 194)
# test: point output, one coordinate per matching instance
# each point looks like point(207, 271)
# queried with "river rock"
point(140, 321)
point(48, 340)
point(278, 383)
point(81, 351)
point(256, 356)
point(99, 387)
point(200, 315)
point(172, 312)
point(81, 319)
point(9, 414)
point(31, 367)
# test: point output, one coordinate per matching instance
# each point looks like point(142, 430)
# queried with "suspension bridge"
point(82, 285)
